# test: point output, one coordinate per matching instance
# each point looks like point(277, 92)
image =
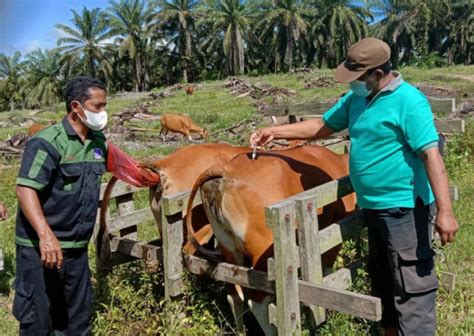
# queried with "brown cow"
point(178, 172)
point(189, 90)
point(236, 193)
point(35, 128)
point(180, 123)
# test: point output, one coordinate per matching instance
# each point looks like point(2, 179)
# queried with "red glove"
point(128, 170)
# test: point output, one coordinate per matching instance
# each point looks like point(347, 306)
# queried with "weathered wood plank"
point(230, 273)
point(125, 206)
point(442, 105)
point(442, 125)
point(438, 106)
point(360, 305)
point(172, 257)
point(340, 279)
point(310, 256)
point(178, 202)
point(454, 193)
point(281, 219)
point(448, 280)
point(450, 125)
point(120, 188)
point(331, 294)
point(253, 279)
point(136, 249)
point(336, 233)
point(130, 219)
point(326, 193)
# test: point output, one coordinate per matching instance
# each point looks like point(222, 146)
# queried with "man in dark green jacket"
point(58, 189)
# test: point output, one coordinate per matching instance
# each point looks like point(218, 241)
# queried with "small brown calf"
point(189, 90)
point(35, 128)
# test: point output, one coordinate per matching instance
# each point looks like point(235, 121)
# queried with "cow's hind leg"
point(235, 295)
point(259, 308)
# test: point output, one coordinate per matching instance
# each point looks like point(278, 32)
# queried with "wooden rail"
point(438, 106)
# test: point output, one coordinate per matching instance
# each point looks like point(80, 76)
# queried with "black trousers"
point(51, 300)
point(401, 267)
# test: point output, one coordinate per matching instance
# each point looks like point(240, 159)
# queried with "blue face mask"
point(360, 88)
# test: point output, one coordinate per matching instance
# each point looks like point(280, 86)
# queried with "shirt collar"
point(394, 83)
point(68, 127)
point(390, 87)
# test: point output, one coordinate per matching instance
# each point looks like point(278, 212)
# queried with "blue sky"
point(26, 25)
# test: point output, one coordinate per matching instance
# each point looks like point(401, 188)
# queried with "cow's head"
point(204, 133)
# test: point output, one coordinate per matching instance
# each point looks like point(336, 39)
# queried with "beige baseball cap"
point(366, 54)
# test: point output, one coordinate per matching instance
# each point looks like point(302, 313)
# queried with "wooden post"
point(310, 256)
point(281, 219)
point(172, 245)
point(125, 206)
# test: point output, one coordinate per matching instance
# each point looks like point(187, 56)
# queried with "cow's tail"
point(103, 239)
point(210, 174)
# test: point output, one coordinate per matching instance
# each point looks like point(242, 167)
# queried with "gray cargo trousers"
point(401, 267)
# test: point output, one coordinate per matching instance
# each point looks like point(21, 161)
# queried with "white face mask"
point(95, 121)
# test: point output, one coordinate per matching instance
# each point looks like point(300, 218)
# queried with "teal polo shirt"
point(388, 134)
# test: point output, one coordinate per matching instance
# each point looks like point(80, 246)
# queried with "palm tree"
point(459, 42)
point(176, 19)
point(10, 81)
point(339, 24)
point(85, 43)
point(231, 23)
point(130, 19)
point(44, 73)
point(289, 19)
point(398, 29)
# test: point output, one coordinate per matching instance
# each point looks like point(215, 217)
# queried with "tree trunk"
point(187, 55)
point(138, 71)
point(91, 66)
point(240, 51)
point(289, 54)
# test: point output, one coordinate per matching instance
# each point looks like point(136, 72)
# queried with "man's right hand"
point(51, 253)
point(261, 137)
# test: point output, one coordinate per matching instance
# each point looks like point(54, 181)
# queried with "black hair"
point(78, 89)
point(386, 68)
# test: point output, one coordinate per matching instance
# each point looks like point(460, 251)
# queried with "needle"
point(254, 150)
point(254, 153)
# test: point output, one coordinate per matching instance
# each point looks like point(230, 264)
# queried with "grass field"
point(130, 300)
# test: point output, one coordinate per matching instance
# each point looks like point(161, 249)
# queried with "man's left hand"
point(446, 225)
point(3, 212)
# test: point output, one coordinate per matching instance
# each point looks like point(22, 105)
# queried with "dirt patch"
point(241, 88)
point(320, 81)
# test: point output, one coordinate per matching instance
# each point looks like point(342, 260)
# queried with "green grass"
point(130, 301)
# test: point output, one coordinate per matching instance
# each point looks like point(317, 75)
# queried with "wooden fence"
point(300, 112)
point(314, 290)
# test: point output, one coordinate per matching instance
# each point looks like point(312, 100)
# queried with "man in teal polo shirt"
point(58, 189)
point(397, 173)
